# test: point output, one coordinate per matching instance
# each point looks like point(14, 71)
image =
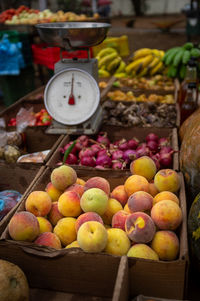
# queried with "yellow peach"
point(39, 203)
point(113, 207)
point(65, 230)
point(118, 242)
point(45, 225)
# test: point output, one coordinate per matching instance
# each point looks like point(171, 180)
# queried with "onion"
point(117, 154)
point(152, 136)
point(133, 143)
point(103, 139)
point(74, 150)
point(71, 159)
point(123, 146)
point(165, 159)
point(166, 149)
point(88, 161)
point(87, 152)
point(117, 165)
point(62, 151)
point(104, 160)
point(142, 150)
point(95, 148)
point(82, 141)
point(152, 145)
point(163, 142)
point(129, 155)
point(99, 167)
point(102, 153)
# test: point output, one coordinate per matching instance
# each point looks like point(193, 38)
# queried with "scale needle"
point(71, 100)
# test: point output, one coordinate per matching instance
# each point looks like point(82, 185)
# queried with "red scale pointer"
point(71, 100)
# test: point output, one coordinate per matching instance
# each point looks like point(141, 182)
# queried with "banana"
point(114, 64)
point(155, 61)
point(186, 56)
point(141, 53)
point(156, 52)
point(120, 75)
point(178, 57)
point(106, 59)
point(162, 53)
point(103, 73)
point(157, 68)
point(169, 59)
point(121, 67)
point(105, 51)
point(139, 63)
point(143, 72)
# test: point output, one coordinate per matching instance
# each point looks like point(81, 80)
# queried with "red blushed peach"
point(86, 217)
point(120, 195)
point(77, 188)
point(63, 176)
point(65, 230)
point(140, 201)
point(153, 190)
point(127, 209)
point(142, 251)
point(136, 183)
point(167, 215)
point(119, 219)
point(140, 227)
point(45, 225)
point(113, 207)
point(69, 204)
point(53, 192)
point(24, 226)
point(39, 203)
point(166, 245)
point(54, 214)
point(165, 195)
point(118, 242)
point(80, 182)
point(98, 182)
point(167, 180)
point(143, 166)
point(48, 239)
point(95, 200)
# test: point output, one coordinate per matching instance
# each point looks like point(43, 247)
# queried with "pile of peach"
point(137, 219)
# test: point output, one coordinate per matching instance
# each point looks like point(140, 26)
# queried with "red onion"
point(129, 155)
point(142, 150)
point(103, 139)
point(99, 167)
point(104, 161)
point(133, 143)
point(152, 136)
point(88, 161)
point(86, 152)
point(123, 146)
point(95, 148)
point(117, 154)
point(152, 145)
point(117, 165)
point(166, 149)
point(82, 142)
point(165, 159)
point(71, 159)
point(74, 150)
point(163, 142)
point(62, 151)
point(102, 153)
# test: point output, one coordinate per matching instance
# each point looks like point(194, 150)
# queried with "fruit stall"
point(102, 208)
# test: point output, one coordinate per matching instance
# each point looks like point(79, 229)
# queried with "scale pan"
point(73, 35)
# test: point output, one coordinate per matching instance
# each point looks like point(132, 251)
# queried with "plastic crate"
point(48, 56)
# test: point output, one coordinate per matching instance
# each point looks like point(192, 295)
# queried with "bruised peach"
point(118, 242)
point(77, 188)
point(112, 207)
point(167, 180)
point(86, 217)
point(94, 199)
point(63, 176)
point(54, 214)
point(119, 219)
point(98, 182)
point(153, 190)
point(39, 203)
point(53, 192)
point(142, 251)
point(140, 201)
point(143, 166)
point(69, 204)
point(45, 225)
point(120, 194)
point(65, 230)
point(24, 226)
point(166, 245)
point(167, 215)
point(165, 195)
point(136, 183)
point(140, 227)
point(74, 244)
point(127, 209)
point(80, 182)
point(48, 239)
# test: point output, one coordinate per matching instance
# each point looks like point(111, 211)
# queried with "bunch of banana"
point(110, 62)
point(177, 58)
point(145, 61)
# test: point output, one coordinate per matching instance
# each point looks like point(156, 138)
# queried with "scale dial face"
point(72, 96)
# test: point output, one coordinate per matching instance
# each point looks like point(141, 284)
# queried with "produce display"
point(132, 219)
point(140, 114)
point(41, 118)
point(8, 199)
point(101, 153)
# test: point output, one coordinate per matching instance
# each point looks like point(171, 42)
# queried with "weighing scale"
point(72, 95)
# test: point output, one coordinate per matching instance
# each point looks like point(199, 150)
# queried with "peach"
point(165, 195)
point(80, 182)
point(127, 209)
point(113, 207)
point(95, 200)
point(92, 237)
point(140, 201)
point(53, 192)
point(136, 183)
point(48, 239)
point(143, 166)
point(86, 217)
point(74, 244)
point(63, 176)
point(77, 188)
point(39, 203)
point(140, 227)
point(98, 182)
point(118, 242)
point(69, 204)
point(142, 251)
point(167, 215)
point(65, 230)
point(120, 194)
point(167, 179)
point(24, 226)
point(166, 245)
point(119, 219)
point(45, 225)
point(54, 214)
point(153, 190)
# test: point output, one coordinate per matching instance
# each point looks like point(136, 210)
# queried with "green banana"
point(188, 46)
point(195, 52)
point(167, 53)
point(106, 59)
point(178, 57)
point(105, 51)
point(114, 64)
point(182, 71)
point(121, 67)
point(172, 71)
point(186, 56)
point(170, 57)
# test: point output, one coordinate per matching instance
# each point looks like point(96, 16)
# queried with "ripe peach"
point(77, 188)
point(65, 230)
point(167, 179)
point(166, 245)
point(113, 207)
point(120, 194)
point(140, 227)
point(95, 200)
point(45, 225)
point(119, 219)
point(54, 214)
point(98, 182)
point(118, 242)
point(92, 237)
point(167, 215)
point(165, 195)
point(143, 166)
point(74, 244)
point(53, 192)
point(80, 182)
point(63, 176)
point(48, 239)
point(153, 190)
point(69, 204)
point(136, 183)
point(127, 209)
point(140, 201)
point(86, 217)
point(39, 203)
point(142, 251)
point(24, 226)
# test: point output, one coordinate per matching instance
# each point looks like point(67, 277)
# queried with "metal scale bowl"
point(72, 95)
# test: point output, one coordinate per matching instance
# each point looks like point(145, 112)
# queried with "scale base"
point(89, 127)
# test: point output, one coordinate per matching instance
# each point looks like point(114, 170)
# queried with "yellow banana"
point(103, 73)
point(121, 67)
point(158, 53)
point(157, 68)
point(114, 64)
point(162, 53)
point(106, 59)
point(143, 72)
point(120, 75)
point(155, 61)
point(141, 53)
point(140, 63)
point(104, 52)
point(130, 67)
